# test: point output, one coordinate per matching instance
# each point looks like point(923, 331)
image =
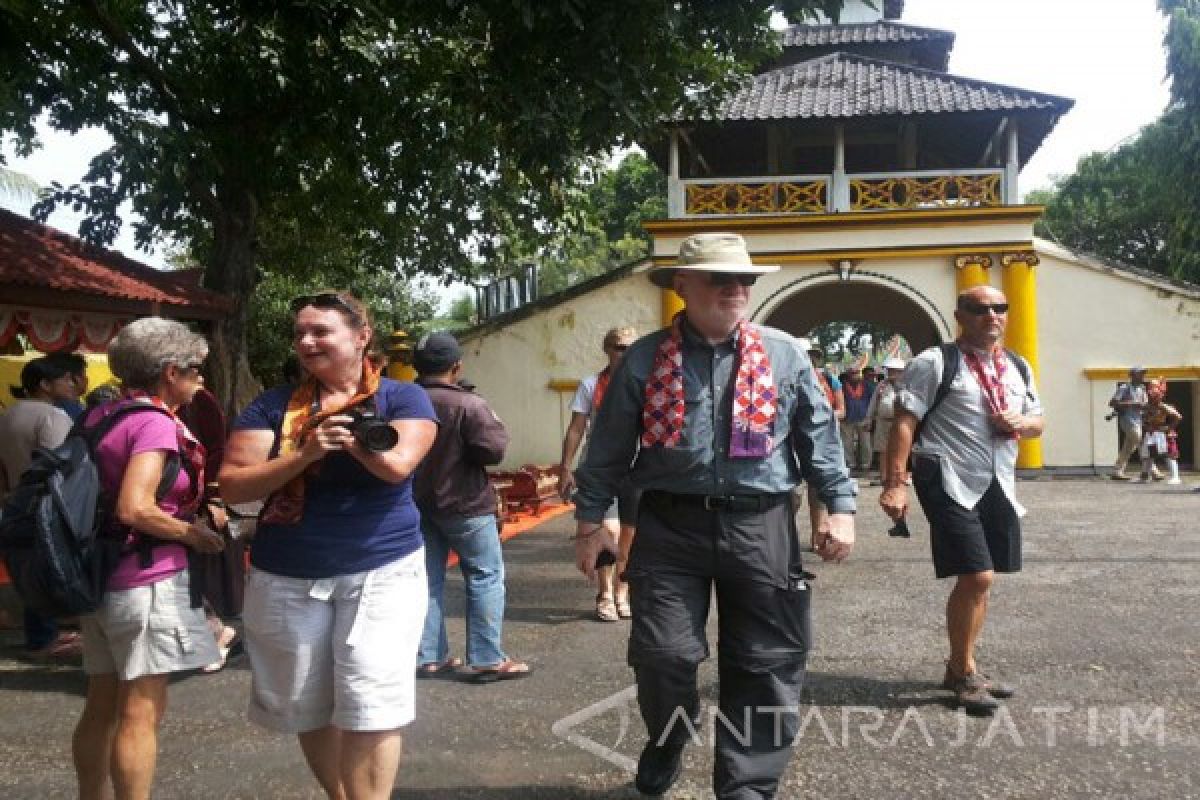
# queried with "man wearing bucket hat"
point(720, 419)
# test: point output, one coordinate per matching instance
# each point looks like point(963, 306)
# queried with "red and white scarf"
point(754, 395)
point(191, 452)
point(991, 382)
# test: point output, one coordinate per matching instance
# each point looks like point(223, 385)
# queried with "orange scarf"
point(286, 505)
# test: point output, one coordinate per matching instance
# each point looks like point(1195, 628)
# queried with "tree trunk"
point(231, 271)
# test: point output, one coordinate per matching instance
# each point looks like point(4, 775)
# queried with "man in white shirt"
point(963, 443)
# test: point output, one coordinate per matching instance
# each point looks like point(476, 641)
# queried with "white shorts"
point(339, 650)
point(147, 630)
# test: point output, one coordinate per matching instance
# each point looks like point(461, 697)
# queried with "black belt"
point(718, 502)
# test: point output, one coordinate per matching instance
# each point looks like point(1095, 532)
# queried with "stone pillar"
point(970, 270)
point(1020, 287)
point(399, 354)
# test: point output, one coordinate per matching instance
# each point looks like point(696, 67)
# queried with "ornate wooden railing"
point(818, 194)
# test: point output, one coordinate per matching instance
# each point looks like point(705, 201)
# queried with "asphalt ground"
point(1100, 632)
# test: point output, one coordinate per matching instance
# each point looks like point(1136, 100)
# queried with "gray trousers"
point(681, 553)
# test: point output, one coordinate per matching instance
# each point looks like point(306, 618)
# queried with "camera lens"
point(376, 435)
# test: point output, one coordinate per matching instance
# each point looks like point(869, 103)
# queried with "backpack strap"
point(1023, 368)
point(951, 361)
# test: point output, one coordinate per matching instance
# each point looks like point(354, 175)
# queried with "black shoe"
point(900, 529)
point(659, 768)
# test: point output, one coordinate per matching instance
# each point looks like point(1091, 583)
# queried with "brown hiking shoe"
point(993, 687)
point(970, 693)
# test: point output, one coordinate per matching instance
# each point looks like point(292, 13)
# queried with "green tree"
point(421, 129)
point(1116, 204)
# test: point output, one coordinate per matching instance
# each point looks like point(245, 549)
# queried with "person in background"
point(37, 420)
point(458, 513)
point(612, 601)
point(75, 365)
point(856, 436)
point(882, 409)
point(150, 622)
point(1128, 401)
point(831, 387)
point(336, 597)
point(1160, 438)
point(222, 575)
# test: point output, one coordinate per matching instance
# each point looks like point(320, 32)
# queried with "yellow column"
point(1020, 287)
point(672, 304)
point(971, 270)
point(400, 357)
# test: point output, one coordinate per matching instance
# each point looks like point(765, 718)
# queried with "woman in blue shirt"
point(336, 597)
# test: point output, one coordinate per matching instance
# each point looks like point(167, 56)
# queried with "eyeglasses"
point(730, 278)
point(194, 366)
point(620, 348)
point(323, 300)
point(979, 309)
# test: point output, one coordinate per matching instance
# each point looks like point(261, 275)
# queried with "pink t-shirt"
point(140, 432)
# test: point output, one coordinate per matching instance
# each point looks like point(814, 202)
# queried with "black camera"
point(373, 433)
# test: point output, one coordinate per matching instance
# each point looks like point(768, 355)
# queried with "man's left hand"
point(836, 543)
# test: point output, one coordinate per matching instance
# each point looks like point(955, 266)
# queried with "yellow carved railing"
point(924, 191)
point(758, 197)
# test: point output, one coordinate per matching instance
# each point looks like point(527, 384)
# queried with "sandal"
point(606, 609)
point(66, 649)
point(623, 609)
point(226, 643)
point(432, 670)
point(506, 670)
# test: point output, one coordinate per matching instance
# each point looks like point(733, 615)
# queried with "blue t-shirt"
point(353, 521)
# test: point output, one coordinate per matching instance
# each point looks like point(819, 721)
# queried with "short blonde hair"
point(142, 348)
point(614, 335)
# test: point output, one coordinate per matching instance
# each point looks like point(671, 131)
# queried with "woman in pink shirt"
point(148, 624)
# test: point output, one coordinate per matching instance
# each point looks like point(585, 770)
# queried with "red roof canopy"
point(45, 268)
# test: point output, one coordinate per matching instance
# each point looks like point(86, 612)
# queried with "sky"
point(1107, 55)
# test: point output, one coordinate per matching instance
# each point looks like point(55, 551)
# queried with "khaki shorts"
point(340, 651)
point(148, 630)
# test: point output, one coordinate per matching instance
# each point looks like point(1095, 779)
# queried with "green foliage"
point(417, 130)
point(600, 226)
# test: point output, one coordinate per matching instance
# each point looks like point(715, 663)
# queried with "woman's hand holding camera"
point(332, 434)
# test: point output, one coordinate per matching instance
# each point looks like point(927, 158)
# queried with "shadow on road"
point(517, 793)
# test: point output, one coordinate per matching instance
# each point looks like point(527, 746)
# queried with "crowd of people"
point(1149, 426)
point(693, 444)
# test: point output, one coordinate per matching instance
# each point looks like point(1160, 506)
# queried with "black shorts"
point(965, 541)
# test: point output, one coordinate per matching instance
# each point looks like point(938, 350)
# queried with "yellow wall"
point(10, 372)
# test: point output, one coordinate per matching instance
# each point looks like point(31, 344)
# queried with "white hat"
point(711, 252)
point(893, 363)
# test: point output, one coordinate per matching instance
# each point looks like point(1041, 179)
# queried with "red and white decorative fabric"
point(755, 400)
point(49, 330)
point(991, 381)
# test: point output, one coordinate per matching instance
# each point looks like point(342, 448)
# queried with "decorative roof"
point(841, 85)
point(39, 257)
point(861, 33)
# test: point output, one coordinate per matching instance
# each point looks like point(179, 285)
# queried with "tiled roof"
point(841, 85)
point(863, 33)
point(37, 256)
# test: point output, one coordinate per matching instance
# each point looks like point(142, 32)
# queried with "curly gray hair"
point(143, 347)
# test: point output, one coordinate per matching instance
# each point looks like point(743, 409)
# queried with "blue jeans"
point(40, 632)
point(476, 540)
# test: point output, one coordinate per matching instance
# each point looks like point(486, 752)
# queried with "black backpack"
point(55, 531)
point(951, 362)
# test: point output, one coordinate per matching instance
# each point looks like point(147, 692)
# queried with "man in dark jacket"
point(458, 512)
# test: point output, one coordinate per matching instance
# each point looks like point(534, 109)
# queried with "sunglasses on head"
point(323, 300)
point(979, 309)
point(730, 278)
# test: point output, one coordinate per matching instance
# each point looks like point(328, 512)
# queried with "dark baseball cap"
point(436, 352)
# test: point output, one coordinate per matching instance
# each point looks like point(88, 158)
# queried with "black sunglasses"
point(730, 278)
point(620, 348)
point(323, 300)
point(979, 309)
point(193, 366)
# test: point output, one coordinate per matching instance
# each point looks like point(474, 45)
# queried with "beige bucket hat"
point(711, 252)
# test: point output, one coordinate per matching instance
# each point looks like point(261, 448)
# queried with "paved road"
point(1100, 632)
